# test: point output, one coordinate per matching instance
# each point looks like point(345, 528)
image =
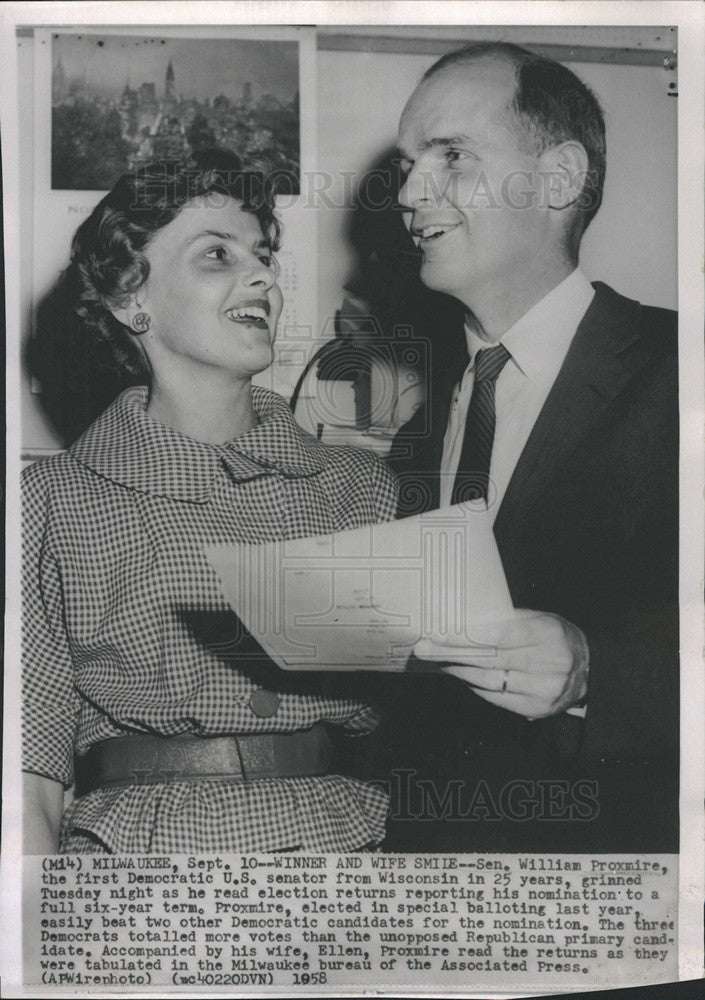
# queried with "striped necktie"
point(472, 477)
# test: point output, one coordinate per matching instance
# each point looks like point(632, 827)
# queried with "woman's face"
point(211, 293)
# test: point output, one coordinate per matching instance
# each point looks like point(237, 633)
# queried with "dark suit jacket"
point(588, 529)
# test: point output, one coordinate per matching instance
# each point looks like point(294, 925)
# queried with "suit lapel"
point(604, 354)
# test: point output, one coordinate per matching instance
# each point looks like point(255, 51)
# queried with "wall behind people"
point(631, 244)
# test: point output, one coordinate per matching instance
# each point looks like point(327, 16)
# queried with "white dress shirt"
point(538, 344)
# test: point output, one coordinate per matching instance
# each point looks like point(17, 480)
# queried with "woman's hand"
point(43, 808)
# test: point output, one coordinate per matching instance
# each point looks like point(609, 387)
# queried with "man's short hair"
point(551, 105)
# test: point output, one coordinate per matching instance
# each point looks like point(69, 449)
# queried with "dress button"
point(264, 703)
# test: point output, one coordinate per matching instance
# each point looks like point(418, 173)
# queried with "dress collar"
point(127, 447)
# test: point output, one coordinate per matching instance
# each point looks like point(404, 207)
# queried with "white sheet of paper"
point(362, 599)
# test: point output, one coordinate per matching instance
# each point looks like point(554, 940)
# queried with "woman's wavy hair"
point(108, 261)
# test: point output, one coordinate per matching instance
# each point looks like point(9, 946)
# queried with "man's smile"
point(423, 235)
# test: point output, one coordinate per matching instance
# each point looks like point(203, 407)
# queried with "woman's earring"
point(141, 322)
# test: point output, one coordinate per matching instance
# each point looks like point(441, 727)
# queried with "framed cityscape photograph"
point(121, 100)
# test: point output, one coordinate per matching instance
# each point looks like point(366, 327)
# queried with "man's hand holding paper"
point(538, 667)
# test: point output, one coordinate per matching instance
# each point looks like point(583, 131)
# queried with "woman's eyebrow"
point(213, 233)
point(260, 244)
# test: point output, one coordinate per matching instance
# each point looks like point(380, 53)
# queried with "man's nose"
point(418, 187)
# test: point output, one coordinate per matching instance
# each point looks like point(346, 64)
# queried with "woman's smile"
point(254, 313)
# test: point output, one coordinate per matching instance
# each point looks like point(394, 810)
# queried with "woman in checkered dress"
point(139, 687)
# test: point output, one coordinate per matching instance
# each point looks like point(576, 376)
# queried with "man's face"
point(471, 196)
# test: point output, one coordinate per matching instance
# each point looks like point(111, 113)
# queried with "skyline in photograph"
point(120, 101)
point(206, 66)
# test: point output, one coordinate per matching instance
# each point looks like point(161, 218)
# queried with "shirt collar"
point(538, 342)
point(126, 446)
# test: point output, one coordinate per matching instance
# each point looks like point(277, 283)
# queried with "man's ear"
point(566, 167)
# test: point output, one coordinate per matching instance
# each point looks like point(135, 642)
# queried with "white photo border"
point(689, 17)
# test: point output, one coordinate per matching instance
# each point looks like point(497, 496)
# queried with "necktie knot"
point(489, 362)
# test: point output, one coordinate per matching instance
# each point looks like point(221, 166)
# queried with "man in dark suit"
point(565, 423)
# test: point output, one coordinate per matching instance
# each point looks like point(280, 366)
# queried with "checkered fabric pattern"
point(125, 627)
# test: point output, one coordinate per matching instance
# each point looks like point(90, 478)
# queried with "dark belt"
point(146, 759)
